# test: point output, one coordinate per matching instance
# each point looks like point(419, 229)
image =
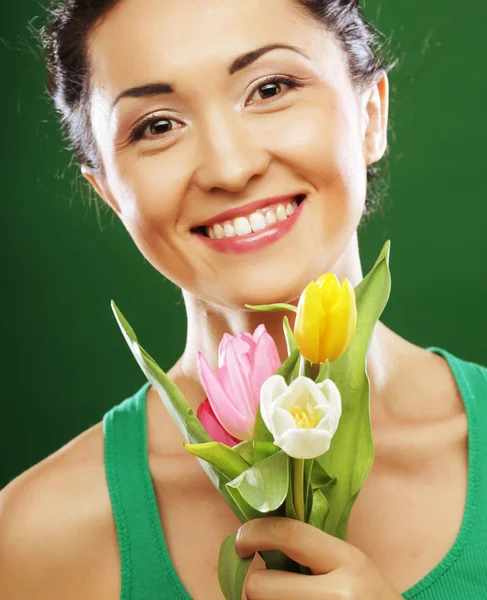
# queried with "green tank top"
point(147, 572)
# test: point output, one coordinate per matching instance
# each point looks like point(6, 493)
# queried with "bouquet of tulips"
point(291, 439)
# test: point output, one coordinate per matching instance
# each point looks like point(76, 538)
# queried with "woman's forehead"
point(139, 40)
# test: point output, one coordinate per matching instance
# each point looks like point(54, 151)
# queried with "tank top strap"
point(146, 570)
point(471, 379)
point(460, 573)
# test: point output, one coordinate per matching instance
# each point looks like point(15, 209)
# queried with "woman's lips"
point(253, 241)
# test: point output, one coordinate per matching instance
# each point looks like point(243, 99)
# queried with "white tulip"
point(303, 417)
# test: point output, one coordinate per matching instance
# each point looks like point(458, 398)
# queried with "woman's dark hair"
point(63, 38)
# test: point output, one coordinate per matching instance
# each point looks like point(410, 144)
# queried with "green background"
point(64, 361)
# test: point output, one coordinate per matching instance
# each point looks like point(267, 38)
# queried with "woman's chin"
point(256, 289)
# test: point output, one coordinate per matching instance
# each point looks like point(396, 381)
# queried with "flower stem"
point(298, 488)
point(326, 369)
point(302, 365)
point(315, 369)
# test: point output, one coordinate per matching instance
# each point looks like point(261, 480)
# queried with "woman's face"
point(220, 140)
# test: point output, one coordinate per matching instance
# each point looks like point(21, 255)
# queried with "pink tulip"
point(212, 425)
point(244, 363)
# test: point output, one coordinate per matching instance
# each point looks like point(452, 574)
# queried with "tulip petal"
point(328, 417)
point(331, 392)
point(304, 443)
point(248, 338)
point(323, 413)
point(225, 410)
point(213, 426)
point(282, 421)
point(235, 377)
point(227, 340)
point(272, 388)
point(265, 363)
point(329, 290)
point(301, 391)
point(317, 393)
point(306, 328)
point(332, 416)
point(324, 335)
point(259, 332)
point(232, 391)
point(222, 348)
point(342, 318)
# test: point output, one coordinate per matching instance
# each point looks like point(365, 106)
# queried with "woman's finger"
point(303, 543)
point(281, 585)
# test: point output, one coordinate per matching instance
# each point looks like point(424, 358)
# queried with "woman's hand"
point(339, 570)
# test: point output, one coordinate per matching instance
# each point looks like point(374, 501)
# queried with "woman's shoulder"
point(56, 526)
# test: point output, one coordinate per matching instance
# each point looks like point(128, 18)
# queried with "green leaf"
point(287, 367)
point(249, 512)
point(264, 485)
point(309, 504)
point(295, 373)
point(261, 432)
point(177, 406)
point(308, 467)
point(344, 517)
point(289, 335)
point(272, 307)
point(263, 441)
point(291, 347)
point(308, 370)
point(263, 450)
point(351, 452)
point(222, 457)
point(324, 372)
point(173, 399)
point(289, 504)
point(319, 477)
point(276, 560)
point(232, 569)
point(246, 451)
point(319, 510)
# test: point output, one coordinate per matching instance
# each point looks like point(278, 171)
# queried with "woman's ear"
point(100, 187)
point(376, 109)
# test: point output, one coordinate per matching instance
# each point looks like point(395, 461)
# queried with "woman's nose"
point(228, 155)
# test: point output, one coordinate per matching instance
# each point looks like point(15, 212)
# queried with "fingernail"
point(236, 544)
point(239, 534)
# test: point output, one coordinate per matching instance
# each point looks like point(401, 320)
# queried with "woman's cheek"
point(292, 134)
point(155, 190)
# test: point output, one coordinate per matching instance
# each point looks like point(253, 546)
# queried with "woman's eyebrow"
point(241, 62)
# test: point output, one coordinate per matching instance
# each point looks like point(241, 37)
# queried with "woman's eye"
point(153, 126)
point(267, 89)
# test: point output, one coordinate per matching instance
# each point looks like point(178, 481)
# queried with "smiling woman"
point(241, 121)
point(235, 142)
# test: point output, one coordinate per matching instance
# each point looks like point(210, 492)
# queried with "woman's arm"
point(56, 531)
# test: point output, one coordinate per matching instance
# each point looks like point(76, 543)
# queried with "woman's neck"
point(207, 324)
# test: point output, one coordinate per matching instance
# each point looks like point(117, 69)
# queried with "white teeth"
point(219, 233)
point(242, 226)
point(229, 230)
point(270, 217)
point(281, 213)
point(257, 221)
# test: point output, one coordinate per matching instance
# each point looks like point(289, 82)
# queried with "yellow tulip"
point(326, 319)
